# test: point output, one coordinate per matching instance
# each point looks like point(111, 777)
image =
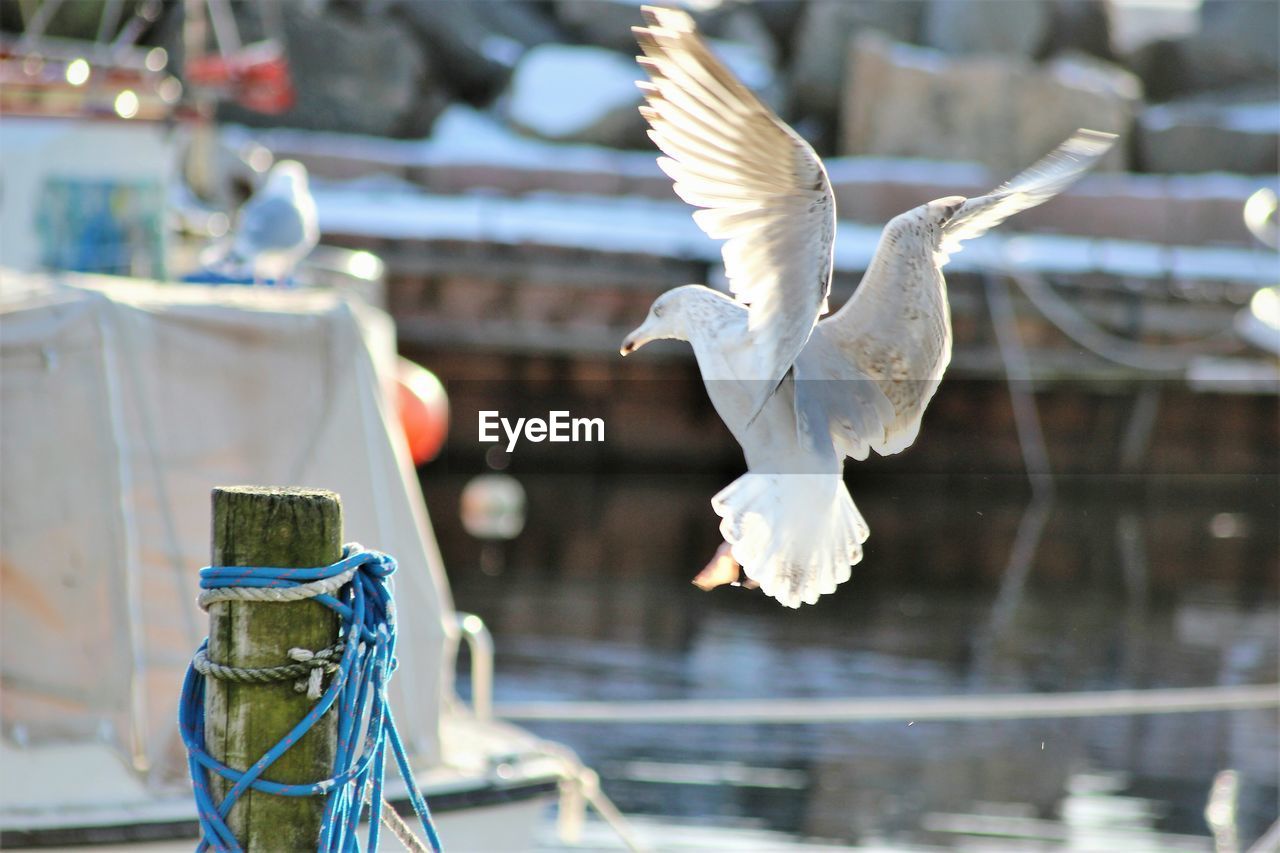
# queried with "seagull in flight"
point(801, 393)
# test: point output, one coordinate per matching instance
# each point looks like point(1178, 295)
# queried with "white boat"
point(122, 403)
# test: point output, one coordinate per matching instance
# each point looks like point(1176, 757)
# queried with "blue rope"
point(358, 688)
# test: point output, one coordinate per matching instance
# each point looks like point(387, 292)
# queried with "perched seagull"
point(800, 395)
point(275, 229)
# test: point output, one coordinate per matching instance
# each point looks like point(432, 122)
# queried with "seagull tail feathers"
point(797, 535)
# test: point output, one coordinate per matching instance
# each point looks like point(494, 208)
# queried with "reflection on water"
point(1139, 593)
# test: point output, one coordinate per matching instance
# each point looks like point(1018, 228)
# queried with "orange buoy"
point(424, 410)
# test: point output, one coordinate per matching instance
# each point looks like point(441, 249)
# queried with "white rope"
point(313, 684)
point(975, 707)
point(300, 592)
point(585, 784)
point(391, 820)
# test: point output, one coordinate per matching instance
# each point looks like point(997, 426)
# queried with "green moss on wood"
point(288, 528)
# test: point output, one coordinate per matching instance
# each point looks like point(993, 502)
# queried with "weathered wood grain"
point(288, 528)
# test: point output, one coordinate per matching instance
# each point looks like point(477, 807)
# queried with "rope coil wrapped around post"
point(355, 588)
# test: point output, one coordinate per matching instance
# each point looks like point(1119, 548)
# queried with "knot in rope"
point(320, 665)
point(310, 669)
point(360, 665)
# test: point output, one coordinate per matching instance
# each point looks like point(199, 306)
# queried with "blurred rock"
point(1005, 112)
point(477, 44)
point(79, 20)
point(608, 23)
point(820, 45)
point(986, 26)
point(743, 25)
point(1069, 92)
point(1243, 37)
point(603, 23)
point(1080, 25)
point(12, 18)
point(1238, 44)
point(1210, 136)
point(352, 75)
point(1134, 25)
point(1164, 69)
point(587, 94)
point(1032, 28)
point(780, 18)
point(569, 93)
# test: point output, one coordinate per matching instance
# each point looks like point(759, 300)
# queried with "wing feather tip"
point(1099, 135)
point(1090, 143)
point(664, 16)
point(739, 124)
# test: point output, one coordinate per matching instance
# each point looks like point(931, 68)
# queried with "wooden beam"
point(287, 528)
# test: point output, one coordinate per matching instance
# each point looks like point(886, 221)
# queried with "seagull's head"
point(287, 176)
point(666, 320)
point(938, 212)
point(921, 228)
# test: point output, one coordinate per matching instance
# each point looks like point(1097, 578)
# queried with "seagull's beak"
point(636, 339)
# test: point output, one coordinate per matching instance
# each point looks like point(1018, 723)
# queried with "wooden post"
point(288, 528)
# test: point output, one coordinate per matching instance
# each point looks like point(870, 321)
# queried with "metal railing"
point(480, 648)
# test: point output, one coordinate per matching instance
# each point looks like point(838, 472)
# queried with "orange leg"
point(721, 570)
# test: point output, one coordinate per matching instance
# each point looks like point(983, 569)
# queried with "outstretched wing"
point(760, 186)
point(877, 333)
point(1048, 177)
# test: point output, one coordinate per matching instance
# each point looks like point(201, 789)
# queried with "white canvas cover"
point(122, 403)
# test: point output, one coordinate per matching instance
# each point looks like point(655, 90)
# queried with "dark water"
point(963, 590)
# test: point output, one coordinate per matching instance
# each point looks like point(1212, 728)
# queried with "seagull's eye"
point(657, 310)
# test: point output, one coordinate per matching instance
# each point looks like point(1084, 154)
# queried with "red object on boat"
point(256, 76)
point(424, 410)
